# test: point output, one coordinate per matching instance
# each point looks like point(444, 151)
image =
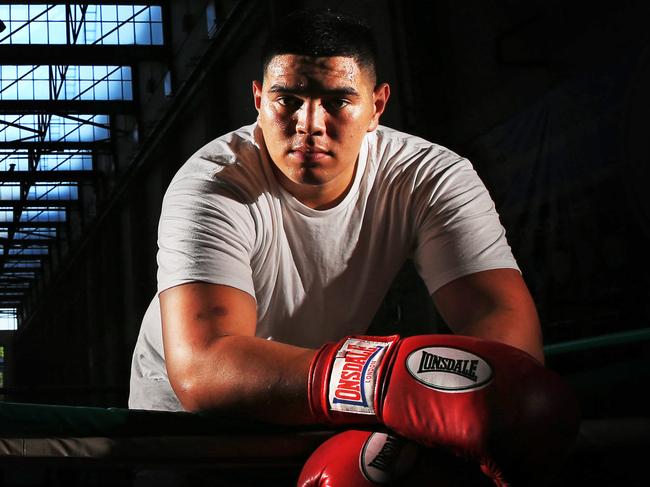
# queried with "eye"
point(290, 102)
point(335, 104)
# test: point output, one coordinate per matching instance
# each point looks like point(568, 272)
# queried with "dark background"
point(548, 99)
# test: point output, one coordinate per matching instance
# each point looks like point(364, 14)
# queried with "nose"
point(311, 118)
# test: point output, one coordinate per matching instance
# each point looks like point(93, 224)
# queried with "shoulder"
point(230, 164)
point(399, 155)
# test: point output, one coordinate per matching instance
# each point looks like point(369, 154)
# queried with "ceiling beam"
point(27, 204)
point(26, 224)
point(55, 107)
point(23, 257)
point(88, 2)
point(48, 176)
point(6, 279)
point(57, 146)
point(77, 54)
point(26, 243)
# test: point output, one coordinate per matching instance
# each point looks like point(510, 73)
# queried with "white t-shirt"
point(316, 275)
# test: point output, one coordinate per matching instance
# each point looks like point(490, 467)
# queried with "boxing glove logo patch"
point(354, 375)
point(384, 458)
point(449, 369)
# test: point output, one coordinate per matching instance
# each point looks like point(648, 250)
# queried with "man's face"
point(314, 113)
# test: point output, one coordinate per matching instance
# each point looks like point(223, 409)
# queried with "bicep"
point(462, 300)
point(196, 314)
point(457, 228)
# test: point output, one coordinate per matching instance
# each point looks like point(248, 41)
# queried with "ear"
point(257, 94)
point(380, 99)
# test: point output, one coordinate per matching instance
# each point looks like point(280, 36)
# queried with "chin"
point(307, 178)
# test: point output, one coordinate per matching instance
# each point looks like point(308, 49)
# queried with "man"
point(285, 235)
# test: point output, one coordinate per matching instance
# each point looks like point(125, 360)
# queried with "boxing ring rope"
point(622, 338)
point(116, 434)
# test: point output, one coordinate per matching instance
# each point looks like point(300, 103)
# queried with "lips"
point(308, 149)
point(308, 153)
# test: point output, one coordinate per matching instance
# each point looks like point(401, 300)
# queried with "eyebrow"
point(343, 90)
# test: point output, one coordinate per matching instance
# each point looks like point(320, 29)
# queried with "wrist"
point(345, 378)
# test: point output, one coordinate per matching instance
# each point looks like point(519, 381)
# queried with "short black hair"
point(322, 33)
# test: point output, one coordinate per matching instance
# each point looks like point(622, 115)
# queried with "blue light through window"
point(43, 215)
point(82, 24)
point(23, 264)
point(33, 82)
point(49, 191)
point(35, 233)
point(40, 191)
point(8, 320)
point(20, 274)
point(63, 160)
point(33, 250)
point(61, 128)
point(34, 215)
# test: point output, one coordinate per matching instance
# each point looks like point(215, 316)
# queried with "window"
point(167, 84)
point(37, 82)
point(81, 24)
point(211, 19)
point(53, 128)
point(8, 321)
point(55, 160)
point(45, 126)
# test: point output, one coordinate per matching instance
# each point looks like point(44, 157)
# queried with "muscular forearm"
point(245, 376)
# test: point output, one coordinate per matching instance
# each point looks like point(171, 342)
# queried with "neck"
point(319, 196)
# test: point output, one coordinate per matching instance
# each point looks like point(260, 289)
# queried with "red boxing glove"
point(361, 459)
point(364, 458)
point(479, 399)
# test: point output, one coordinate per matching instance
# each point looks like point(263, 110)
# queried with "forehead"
point(306, 72)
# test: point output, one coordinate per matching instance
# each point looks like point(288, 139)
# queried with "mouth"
point(308, 154)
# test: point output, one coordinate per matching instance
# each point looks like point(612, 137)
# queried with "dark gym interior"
point(547, 98)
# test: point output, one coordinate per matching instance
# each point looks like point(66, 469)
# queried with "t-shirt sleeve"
point(458, 231)
point(205, 234)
